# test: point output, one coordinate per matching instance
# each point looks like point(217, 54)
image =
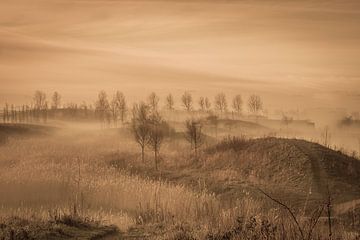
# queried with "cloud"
point(284, 47)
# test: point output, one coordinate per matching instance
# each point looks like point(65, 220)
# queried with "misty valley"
point(175, 168)
point(179, 119)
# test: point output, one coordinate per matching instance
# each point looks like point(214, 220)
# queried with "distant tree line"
point(40, 110)
point(113, 111)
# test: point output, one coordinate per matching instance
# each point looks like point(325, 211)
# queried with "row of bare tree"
point(25, 113)
point(115, 110)
point(40, 110)
point(220, 103)
point(110, 111)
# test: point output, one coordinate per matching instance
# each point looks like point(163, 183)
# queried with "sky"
point(294, 54)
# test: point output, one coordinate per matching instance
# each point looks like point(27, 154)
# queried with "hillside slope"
point(287, 167)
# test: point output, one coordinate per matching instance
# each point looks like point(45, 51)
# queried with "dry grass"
point(70, 173)
point(43, 173)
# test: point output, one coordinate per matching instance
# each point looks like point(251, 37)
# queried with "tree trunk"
point(216, 131)
point(143, 154)
point(155, 158)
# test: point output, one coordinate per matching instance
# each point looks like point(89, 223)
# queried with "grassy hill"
point(290, 167)
point(296, 171)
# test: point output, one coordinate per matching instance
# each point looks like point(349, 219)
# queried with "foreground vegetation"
point(57, 227)
point(98, 176)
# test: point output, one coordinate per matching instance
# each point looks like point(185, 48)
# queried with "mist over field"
point(180, 120)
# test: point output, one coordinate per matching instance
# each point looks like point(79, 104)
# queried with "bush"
point(230, 143)
point(120, 160)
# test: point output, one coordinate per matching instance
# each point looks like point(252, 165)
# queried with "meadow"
point(97, 175)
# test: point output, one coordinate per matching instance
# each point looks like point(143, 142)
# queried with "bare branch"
point(314, 221)
point(288, 209)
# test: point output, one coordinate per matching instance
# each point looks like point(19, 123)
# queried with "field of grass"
point(96, 179)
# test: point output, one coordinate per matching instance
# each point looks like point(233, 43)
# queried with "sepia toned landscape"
point(194, 120)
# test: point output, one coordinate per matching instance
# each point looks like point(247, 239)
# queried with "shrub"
point(230, 143)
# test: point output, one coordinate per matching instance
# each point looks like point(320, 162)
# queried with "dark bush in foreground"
point(60, 227)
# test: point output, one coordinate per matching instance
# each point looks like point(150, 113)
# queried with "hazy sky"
point(293, 53)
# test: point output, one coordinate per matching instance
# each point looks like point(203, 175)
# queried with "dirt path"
point(319, 175)
point(136, 233)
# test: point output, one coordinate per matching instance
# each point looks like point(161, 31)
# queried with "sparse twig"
point(288, 209)
point(314, 221)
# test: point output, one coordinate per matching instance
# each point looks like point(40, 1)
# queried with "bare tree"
point(39, 99)
point(40, 104)
point(22, 113)
point(12, 113)
point(102, 106)
point(207, 104)
point(193, 134)
point(255, 104)
point(156, 135)
point(6, 113)
point(153, 101)
point(56, 101)
point(120, 98)
point(118, 107)
point(27, 114)
point(237, 104)
point(220, 103)
point(45, 112)
point(140, 126)
point(170, 102)
point(187, 101)
point(114, 110)
point(202, 104)
point(84, 109)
